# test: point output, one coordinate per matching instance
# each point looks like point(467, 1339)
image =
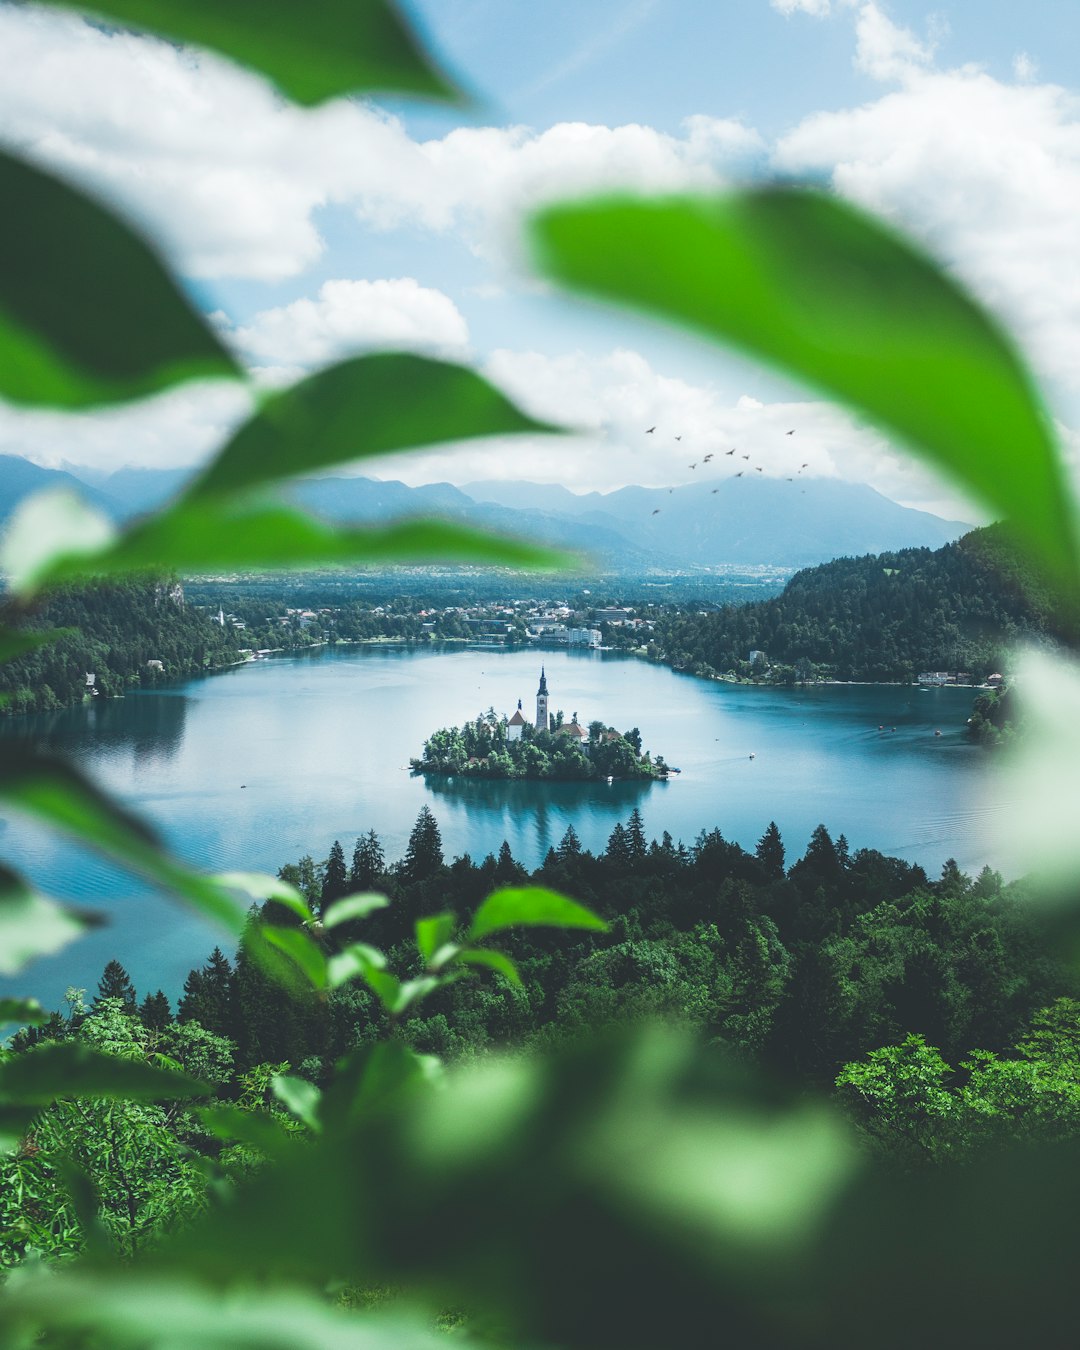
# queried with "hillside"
point(880, 617)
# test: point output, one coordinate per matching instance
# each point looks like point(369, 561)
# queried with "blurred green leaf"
point(15, 1123)
point(88, 314)
point(301, 949)
point(28, 1012)
point(353, 907)
point(368, 405)
point(832, 295)
point(259, 887)
point(126, 1311)
point(51, 527)
point(433, 933)
point(374, 1078)
point(71, 1069)
point(315, 51)
point(31, 925)
point(385, 986)
point(300, 1097)
point(531, 907)
point(56, 792)
point(480, 956)
point(412, 991)
point(257, 1129)
point(14, 644)
point(209, 535)
point(357, 959)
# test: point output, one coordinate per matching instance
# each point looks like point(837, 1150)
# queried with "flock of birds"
point(649, 431)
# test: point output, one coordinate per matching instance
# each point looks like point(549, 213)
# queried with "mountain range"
point(730, 521)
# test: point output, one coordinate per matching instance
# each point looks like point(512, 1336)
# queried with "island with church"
point(549, 748)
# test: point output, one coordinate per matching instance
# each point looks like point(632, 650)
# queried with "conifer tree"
point(155, 1012)
point(335, 882)
point(423, 856)
point(770, 852)
point(208, 995)
point(116, 983)
point(636, 844)
point(368, 863)
point(618, 850)
point(569, 845)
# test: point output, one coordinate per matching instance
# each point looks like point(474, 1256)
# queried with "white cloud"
point(987, 173)
point(230, 178)
point(885, 51)
point(1025, 68)
point(818, 8)
point(178, 428)
point(350, 315)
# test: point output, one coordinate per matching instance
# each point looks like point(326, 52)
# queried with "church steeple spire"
point(542, 703)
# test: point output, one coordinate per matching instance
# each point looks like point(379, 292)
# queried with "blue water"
point(251, 768)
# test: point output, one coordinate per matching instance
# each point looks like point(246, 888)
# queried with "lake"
point(253, 767)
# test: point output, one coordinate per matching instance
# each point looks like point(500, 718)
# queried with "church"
point(517, 722)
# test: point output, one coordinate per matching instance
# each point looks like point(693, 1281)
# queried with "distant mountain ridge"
point(747, 521)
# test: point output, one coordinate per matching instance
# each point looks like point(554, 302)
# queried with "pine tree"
point(335, 878)
point(635, 837)
point(116, 983)
point(208, 995)
point(368, 863)
point(770, 852)
point(155, 1012)
point(569, 845)
point(424, 855)
point(507, 871)
point(618, 850)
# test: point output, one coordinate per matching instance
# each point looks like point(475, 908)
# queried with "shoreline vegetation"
point(566, 752)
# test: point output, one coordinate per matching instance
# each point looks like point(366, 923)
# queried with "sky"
point(307, 235)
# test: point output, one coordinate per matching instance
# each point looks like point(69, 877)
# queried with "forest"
point(884, 617)
point(129, 634)
point(937, 1012)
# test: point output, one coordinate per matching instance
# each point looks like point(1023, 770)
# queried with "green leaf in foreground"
point(432, 933)
point(66, 258)
point(301, 950)
point(312, 52)
point(497, 961)
point(28, 1012)
point(14, 643)
point(204, 536)
point(531, 907)
point(369, 405)
point(298, 1096)
point(831, 295)
point(70, 1069)
point(30, 925)
point(56, 792)
point(357, 906)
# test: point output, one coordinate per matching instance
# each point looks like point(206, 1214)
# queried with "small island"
point(549, 748)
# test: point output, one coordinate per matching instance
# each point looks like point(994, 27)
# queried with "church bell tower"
point(542, 723)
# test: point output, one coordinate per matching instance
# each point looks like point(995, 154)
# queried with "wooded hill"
point(114, 631)
point(885, 616)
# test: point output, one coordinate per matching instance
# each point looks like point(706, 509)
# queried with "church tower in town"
point(542, 723)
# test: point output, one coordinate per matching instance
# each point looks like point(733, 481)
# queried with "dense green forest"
point(567, 751)
point(935, 1010)
point(882, 617)
point(115, 631)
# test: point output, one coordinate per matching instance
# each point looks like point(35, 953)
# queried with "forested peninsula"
point(114, 636)
point(880, 618)
point(569, 752)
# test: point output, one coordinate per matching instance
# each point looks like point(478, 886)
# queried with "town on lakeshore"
point(550, 747)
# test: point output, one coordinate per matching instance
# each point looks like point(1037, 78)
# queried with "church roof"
point(543, 682)
point(517, 720)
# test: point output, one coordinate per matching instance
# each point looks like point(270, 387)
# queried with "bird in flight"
point(716, 490)
point(759, 469)
point(791, 432)
point(678, 438)
point(649, 431)
point(791, 480)
point(693, 466)
point(805, 466)
point(656, 512)
point(730, 452)
point(706, 459)
point(739, 474)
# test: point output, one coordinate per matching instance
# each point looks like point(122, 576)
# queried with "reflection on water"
point(149, 725)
